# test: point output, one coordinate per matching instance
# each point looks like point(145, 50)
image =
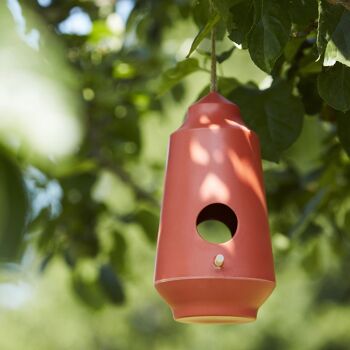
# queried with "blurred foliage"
point(13, 201)
point(83, 144)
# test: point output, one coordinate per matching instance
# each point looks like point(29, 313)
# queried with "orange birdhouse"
point(214, 173)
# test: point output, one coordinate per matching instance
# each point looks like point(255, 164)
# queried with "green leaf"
point(89, 292)
point(333, 55)
point(338, 48)
point(343, 130)
point(334, 87)
point(240, 22)
point(238, 16)
point(201, 15)
point(328, 18)
point(203, 33)
point(223, 7)
point(275, 114)
point(269, 34)
point(225, 55)
point(307, 87)
point(111, 284)
point(13, 209)
point(118, 252)
point(222, 57)
point(200, 12)
point(303, 12)
point(149, 222)
point(174, 75)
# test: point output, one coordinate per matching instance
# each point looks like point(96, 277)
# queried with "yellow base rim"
point(215, 319)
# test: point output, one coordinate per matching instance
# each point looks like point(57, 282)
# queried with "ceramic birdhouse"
point(214, 173)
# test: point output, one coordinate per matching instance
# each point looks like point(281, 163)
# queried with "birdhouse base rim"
point(240, 278)
point(217, 319)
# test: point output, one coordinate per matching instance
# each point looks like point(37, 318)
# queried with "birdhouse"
point(214, 173)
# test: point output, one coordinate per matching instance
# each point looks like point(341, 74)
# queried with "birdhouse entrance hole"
point(217, 223)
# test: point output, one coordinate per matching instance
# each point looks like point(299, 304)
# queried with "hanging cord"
point(213, 77)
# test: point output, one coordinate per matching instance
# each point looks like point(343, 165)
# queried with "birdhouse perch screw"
point(219, 261)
